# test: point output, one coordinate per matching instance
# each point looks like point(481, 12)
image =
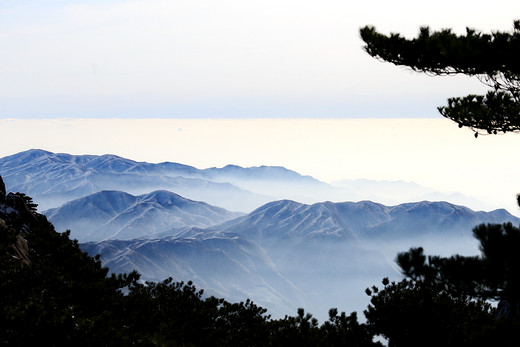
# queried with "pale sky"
point(223, 58)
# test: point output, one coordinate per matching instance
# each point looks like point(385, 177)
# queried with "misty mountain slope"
point(288, 221)
point(256, 173)
point(330, 268)
point(53, 179)
point(225, 267)
point(83, 216)
point(337, 233)
point(118, 215)
point(426, 217)
point(328, 252)
point(398, 192)
point(281, 183)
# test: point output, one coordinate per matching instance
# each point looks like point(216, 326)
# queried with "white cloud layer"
point(431, 152)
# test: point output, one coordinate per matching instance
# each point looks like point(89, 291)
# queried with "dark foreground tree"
point(417, 313)
point(339, 330)
point(494, 275)
point(177, 314)
point(51, 293)
point(445, 301)
point(493, 58)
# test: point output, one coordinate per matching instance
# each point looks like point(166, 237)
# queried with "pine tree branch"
point(497, 111)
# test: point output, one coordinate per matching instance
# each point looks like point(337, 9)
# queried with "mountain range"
point(285, 247)
point(119, 215)
point(53, 179)
point(287, 255)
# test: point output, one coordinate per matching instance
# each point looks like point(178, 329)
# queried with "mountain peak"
point(164, 197)
point(111, 214)
point(28, 155)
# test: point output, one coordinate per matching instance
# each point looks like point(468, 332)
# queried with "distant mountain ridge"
point(53, 179)
point(256, 173)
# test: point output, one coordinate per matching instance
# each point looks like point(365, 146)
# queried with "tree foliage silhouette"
point(61, 296)
point(495, 274)
point(493, 58)
point(417, 313)
point(445, 300)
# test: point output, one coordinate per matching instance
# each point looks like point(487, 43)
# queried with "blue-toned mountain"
point(233, 268)
point(293, 221)
point(117, 215)
point(53, 179)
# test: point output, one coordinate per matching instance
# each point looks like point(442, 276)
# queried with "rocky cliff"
point(17, 219)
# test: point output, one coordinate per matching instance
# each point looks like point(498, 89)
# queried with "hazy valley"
point(285, 248)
